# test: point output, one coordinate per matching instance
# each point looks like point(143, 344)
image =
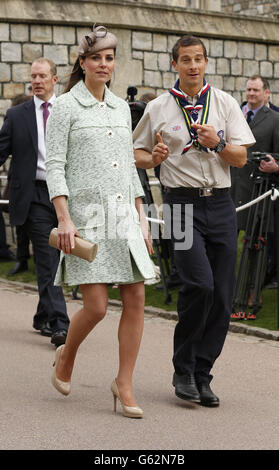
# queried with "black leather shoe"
point(59, 337)
point(207, 397)
point(19, 267)
point(38, 325)
point(46, 329)
point(185, 387)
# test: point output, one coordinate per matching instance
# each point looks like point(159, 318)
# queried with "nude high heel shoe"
point(128, 411)
point(62, 387)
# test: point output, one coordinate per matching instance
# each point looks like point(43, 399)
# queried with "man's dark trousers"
point(207, 270)
point(3, 240)
point(41, 219)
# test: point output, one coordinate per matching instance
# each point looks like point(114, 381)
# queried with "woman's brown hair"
point(75, 76)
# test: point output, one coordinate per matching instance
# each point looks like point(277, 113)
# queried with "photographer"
point(264, 123)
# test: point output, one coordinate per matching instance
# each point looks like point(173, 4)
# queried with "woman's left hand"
point(144, 225)
point(147, 238)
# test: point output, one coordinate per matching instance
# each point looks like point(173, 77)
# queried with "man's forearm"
point(143, 159)
point(234, 155)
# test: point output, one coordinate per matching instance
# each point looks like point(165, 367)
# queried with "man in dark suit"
point(22, 240)
point(264, 123)
point(267, 101)
point(267, 93)
point(5, 253)
point(23, 136)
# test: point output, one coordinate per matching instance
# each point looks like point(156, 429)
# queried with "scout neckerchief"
point(191, 113)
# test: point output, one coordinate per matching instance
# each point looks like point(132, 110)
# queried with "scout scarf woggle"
point(191, 113)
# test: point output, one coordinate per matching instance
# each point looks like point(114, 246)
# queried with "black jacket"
point(19, 138)
point(265, 128)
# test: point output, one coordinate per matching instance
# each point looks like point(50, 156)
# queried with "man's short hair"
point(187, 40)
point(265, 82)
point(53, 69)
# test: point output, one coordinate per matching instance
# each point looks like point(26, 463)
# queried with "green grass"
point(266, 317)
point(26, 277)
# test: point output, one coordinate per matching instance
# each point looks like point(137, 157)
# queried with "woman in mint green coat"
point(94, 186)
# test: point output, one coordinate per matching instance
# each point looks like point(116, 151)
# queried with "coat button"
point(115, 164)
point(110, 133)
point(119, 197)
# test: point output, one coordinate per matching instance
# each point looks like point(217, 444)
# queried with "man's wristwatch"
point(220, 146)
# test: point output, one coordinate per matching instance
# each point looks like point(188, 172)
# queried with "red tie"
point(45, 106)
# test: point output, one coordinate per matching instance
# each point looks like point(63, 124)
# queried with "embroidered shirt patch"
point(176, 128)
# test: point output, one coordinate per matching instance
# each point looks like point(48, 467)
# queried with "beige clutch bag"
point(83, 249)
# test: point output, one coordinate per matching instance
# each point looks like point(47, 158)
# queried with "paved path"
point(33, 415)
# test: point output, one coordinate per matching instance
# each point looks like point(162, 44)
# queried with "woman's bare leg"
point(129, 336)
point(95, 300)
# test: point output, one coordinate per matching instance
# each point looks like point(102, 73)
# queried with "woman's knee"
point(94, 314)
point(95, 300)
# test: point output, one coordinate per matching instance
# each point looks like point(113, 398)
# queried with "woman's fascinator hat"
point(100, 38)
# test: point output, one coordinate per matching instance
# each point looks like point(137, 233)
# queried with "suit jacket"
point(275, 108)
point(265, 128)
point(270, 105)
point(19, 138)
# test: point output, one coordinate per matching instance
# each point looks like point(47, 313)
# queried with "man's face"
point(255, 93)
point(191, 65)
point(42, 80)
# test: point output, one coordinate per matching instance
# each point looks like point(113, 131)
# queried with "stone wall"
point(230, 63)
point(213, 5)
point(146, 35)
point(265, 8)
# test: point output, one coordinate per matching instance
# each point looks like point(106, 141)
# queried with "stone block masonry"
point(146, 34)
point(230, 63)
point(265, 8)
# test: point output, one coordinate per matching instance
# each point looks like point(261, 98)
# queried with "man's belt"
point(196, 192)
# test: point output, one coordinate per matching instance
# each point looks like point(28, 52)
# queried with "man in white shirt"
point(195, 132)
point(23, 137)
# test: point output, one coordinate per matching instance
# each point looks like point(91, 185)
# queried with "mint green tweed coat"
point(90, 161)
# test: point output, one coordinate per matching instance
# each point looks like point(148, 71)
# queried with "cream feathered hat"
point(100, 38)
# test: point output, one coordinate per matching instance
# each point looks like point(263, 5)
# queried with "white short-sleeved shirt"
point(194, 168)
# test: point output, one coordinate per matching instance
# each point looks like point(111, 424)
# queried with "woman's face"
point(98, 66)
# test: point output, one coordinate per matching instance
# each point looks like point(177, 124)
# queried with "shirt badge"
point(176, 128)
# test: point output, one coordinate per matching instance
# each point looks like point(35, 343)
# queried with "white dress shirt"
point(41, 169)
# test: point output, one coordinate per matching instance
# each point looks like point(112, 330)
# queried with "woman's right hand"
point(66, 236)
